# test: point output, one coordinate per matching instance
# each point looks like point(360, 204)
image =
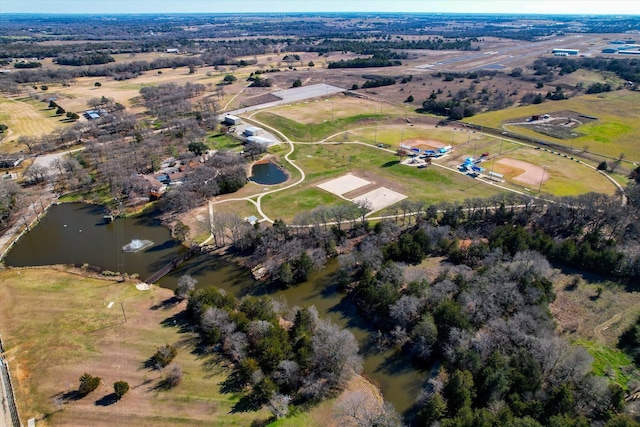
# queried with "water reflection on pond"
point(76, 233)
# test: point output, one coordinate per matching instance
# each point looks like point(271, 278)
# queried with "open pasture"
point(57, 325)
point(335, 107)
point(614, 132)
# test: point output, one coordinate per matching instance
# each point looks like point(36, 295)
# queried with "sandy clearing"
point(424, 143)
point(343, 184)
point(533, 174)
point(380, 198)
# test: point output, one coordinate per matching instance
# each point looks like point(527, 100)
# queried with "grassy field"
point(325, 161)
point(614, 132)
point(297, 131)
point(26, 117)
point(56, 325)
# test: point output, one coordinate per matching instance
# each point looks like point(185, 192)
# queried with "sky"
point(232, 6)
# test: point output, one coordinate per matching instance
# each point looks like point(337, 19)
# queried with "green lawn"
point(297, 131)
point(218, 141)
point(325, 161)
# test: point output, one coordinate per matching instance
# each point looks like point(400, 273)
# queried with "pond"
point(267, 173)
point(76, 233)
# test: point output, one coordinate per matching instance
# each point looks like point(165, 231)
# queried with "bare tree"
point(173, 376)
point(186, 285)
point(360, 409)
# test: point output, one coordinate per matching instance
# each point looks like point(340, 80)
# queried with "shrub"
point(88, 383)
point(164, 355)
point(174, 376)
point(120, 388)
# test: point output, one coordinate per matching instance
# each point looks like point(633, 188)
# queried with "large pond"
point(267, 174)
point(77, 234)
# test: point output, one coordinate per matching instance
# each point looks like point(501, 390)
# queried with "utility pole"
point(544, 169)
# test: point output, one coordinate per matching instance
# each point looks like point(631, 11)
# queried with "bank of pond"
point(76, 233)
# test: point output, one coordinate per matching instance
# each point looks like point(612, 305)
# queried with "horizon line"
point(325, 12)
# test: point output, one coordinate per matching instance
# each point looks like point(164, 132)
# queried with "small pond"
point(267, 174)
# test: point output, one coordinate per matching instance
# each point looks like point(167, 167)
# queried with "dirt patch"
point(579, 311)
point(424, 144)
point(360, 191)
point(532, 174)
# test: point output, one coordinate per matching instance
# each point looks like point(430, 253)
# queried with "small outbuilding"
point(260, 140)
point(231, 120)
point(252, 131)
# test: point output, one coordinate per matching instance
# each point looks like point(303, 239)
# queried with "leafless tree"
point(279, 405)
point(186, 285)
point(360, 409)
point(173, 376)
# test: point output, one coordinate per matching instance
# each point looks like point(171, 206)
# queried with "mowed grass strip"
point(287, 204)
point(56, 325)
point(297, 131)
point(28, 117)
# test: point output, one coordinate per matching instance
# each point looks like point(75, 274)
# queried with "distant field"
point(616, 131)
point(28, 117)
point(297, 131)
point(335, 108)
